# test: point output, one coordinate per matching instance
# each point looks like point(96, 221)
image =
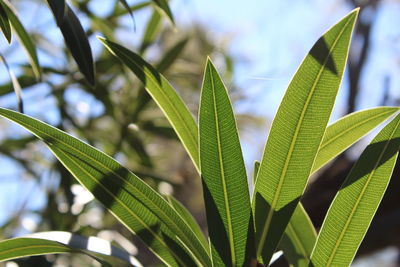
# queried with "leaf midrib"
point(121, 178)
point(294, 140)
point(352, 127)
point(221, 164)
point(124, 206)
point(350, 217)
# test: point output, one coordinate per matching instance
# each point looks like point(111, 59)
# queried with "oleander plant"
point(244, 228)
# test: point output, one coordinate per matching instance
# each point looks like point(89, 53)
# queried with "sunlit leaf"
point(24, 247)
point(348, 130)
point(225, 188)
point(141, 209)
point(354, 206)
point(165, 96)
point(296, 134)
point(23, 37)
point(255, 170)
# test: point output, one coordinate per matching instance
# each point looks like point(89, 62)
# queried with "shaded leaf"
point(23, 37)
point(5, 24)
point(187, 216)
point(78, 44)
point(121, 12)
point(59, 9)
point(150, 33)
point(224, 175)
point(302, 117)
point(165, 96)
point(299, 239)
point(125, 4)
point(348, 130)
point(171, 55)
point(163, 5)
point(141, 209)
point(354, 206)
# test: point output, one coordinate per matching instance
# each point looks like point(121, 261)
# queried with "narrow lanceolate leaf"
point(23, 37)
point(141, 209)
point(165, 96)
point(78, 44)
point(16, 248)
point(348, 130)
point(59, 9)
point(354, 206)
point(91, 245)
point(255, 170)
point(153, 25)
point(5, 24)
point(225, 187)
point(163, 5)
point(171, 55)
point(187, 216)
point(15, 84)
point(299, 239)
point(126, 5)
point(296, 134)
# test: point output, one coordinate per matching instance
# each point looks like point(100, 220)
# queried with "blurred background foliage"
point(117, 116)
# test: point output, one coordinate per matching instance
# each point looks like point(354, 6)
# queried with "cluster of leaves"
point(129, 125)
point(241, 231)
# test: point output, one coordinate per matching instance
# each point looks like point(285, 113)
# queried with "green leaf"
point(163, 5)
point(165, 96)
point(171, 55)
point(225, 187)
point(15, 84)
point(348, 130)
point(23, 37)
point(24, 247)
point(5, 24)
point(255, 170)
point(78, 44)
point(153, 25)
point(167, 60)
point(299, 239)
point(135, 7)
point(354, 206)
point(59, 9)
point(296, 134)
point(141, 209)
point(126, 5)
point(91, 245)
point(23, 80)
point(187, 216)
